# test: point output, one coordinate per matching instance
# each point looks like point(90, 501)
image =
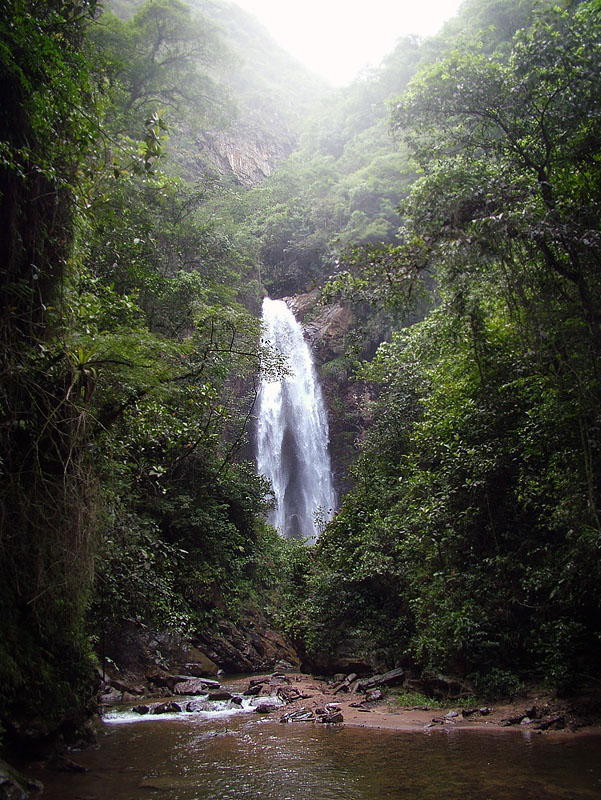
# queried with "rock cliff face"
point(133, 652)
point(249, 155)
point(326, 328)
point(328, 331)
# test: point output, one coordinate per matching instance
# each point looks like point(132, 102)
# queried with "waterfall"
point(292, 431)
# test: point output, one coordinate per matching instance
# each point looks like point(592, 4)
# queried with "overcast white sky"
point(337, 38)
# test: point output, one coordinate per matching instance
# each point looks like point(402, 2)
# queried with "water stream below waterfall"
point(242, 756)
point(292, 431)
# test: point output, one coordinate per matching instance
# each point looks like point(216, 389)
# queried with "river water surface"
point(245, 756)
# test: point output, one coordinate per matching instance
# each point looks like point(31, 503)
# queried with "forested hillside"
point(162, 168)
point(471, 539)
point(129, 355)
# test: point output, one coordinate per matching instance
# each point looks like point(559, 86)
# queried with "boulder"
point(14, 785)
point(373, 695)
point(220, 696)
point(159, 677)
point(194, 706)
point(141, 709)
point(110, 698)
point(194, 686)
point(166, 680)
point(211, 684)
point(302, 304)
point(264, 708)
point(198, 663)
point(167, 708)
point(333, 717)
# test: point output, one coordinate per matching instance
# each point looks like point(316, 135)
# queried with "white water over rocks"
point(292, 432)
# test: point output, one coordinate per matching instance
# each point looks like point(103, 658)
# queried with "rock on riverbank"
point(377, 702)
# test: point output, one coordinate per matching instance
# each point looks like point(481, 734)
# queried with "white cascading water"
point(292, 432)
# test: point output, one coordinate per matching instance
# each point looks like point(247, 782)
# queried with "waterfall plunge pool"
point(247, 757)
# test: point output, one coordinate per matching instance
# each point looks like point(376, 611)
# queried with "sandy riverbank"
point(539, 713)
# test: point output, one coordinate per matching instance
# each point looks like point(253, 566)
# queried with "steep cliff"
point(246, 153)
point(266, 94)
point(273, 94)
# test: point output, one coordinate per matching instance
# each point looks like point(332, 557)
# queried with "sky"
point(338, 38)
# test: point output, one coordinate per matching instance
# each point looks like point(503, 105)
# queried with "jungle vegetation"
point(452, 196)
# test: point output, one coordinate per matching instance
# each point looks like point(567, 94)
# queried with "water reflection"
point(243, 757)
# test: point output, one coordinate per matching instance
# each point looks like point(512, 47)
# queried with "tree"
point(166, 58)
point(478, 488)
point(509, 153)
point(48, 125)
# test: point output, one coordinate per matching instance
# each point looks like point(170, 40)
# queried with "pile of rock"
point(330, 714)
point(539, 719)
point(277, 684)
point(269, 692)
point(352, 683)
point(158, 683)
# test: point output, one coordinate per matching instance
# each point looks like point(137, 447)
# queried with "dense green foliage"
point(133, 264)
point(129, 362)
point(48, 496)
point(473, 529)
point(341, 186)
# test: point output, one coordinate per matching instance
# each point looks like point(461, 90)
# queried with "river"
point(246, 756)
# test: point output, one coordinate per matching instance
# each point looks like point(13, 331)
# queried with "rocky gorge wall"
point(248, 154)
